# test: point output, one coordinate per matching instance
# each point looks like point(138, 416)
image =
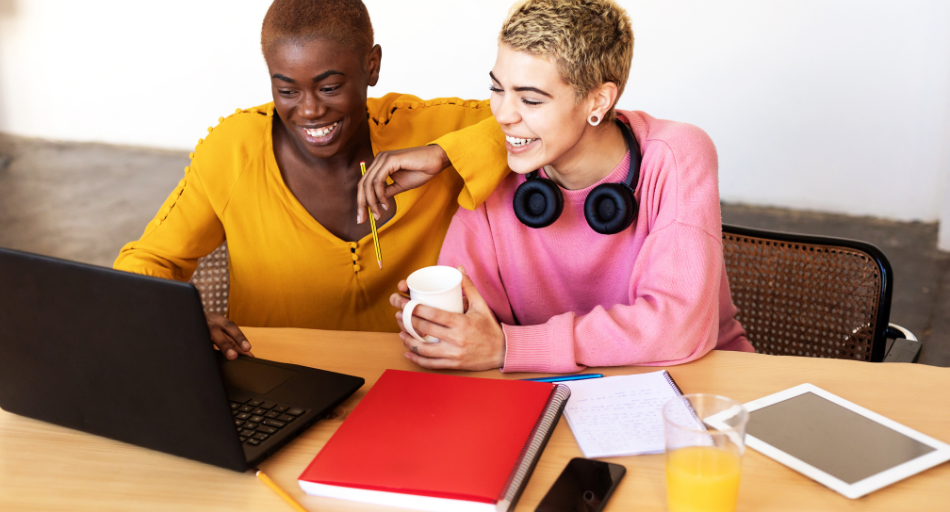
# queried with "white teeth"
point(321, 132)
point(515, 141)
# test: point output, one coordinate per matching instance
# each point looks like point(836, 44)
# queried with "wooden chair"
point(212, 280)
point(814, 296)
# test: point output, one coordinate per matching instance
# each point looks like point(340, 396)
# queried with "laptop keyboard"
point(257, 420)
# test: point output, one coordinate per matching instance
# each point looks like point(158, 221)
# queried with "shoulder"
point(679, 172)
point(244, 129)
point(681, 139)
point(382, 110)
point(238, 140)
point(401, 120)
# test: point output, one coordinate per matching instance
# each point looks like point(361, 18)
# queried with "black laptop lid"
point(111, 353)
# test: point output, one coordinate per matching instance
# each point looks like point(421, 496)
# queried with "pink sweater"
point(568, 297)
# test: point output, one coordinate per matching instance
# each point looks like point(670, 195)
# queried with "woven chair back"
point(808, 296)
point(212, 280)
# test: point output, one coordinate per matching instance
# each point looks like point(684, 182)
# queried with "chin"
point(522, 165)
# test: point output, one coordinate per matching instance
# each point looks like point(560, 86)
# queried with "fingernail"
point(246, 346)
point(385, 207)
point(376, 215)
point(407, 356)
point(359, 218)
point(231, 353)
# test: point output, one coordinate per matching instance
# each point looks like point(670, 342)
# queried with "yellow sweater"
point(286, 269)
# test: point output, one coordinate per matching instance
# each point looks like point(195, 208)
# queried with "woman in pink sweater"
point(637, 279)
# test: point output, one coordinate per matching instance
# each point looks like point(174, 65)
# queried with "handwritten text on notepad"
point(619, 415)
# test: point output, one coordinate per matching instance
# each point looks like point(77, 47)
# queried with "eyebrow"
point(522, 88)
point(318, 78)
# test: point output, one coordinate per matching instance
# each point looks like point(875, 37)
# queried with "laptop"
point(129, 357)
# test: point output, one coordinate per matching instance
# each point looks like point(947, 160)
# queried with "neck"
point(594, 156)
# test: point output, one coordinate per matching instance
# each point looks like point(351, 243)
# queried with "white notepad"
point(621, 415)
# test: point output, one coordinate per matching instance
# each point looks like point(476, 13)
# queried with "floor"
point(84, 201)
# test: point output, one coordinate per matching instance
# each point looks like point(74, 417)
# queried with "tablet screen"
point(834, 439)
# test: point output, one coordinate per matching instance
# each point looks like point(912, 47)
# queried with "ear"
point(373, 62)
point(602, 99)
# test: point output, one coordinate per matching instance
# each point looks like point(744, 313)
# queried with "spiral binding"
point(531, 453)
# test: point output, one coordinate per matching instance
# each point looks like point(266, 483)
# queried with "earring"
point(593, 120)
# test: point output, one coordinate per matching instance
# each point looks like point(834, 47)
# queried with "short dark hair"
point(344, 21)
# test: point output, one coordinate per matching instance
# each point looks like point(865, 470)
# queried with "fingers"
point(433, 364)
point(398, 300)
point(368, 189)
point(428, 350)
point(235, 333)
point(403, 286)
point(423, 326)
point(227, 336)
point(360, 200)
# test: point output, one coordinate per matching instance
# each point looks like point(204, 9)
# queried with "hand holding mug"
point(437, 286)
point(473, 340)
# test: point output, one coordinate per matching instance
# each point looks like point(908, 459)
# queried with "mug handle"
point(407, 322)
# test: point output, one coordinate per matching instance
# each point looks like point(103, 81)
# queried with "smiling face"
point(319, 90)
point(537, 110)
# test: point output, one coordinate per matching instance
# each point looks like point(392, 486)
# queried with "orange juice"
point(702, 479)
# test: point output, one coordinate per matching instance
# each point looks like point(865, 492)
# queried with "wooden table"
point(45, 467)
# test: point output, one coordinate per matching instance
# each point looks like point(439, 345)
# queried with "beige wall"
point(832, 105)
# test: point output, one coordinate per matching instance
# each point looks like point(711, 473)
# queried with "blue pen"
point(562, 378)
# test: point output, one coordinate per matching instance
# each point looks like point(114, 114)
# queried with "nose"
point(310, 107)
point(505, 109)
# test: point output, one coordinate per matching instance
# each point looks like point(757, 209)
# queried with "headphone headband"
point(609, 208)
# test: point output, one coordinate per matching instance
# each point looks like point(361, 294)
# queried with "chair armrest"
point(905, 348)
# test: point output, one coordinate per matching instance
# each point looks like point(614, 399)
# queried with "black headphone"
point(610, 208)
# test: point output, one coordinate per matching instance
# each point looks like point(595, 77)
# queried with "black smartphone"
point(585, 485)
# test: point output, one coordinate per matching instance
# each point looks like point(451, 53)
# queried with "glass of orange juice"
point(705, 439)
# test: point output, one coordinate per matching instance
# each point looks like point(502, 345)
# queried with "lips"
point(518, 142)
point(516, 145)
point(320, 135)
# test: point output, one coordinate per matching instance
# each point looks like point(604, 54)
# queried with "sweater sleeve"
point(185, 229)
point(187, 226)
point(465, 129)
point(478, 154)
point(672, 319)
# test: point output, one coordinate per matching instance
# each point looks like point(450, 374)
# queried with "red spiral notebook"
point(438, 442)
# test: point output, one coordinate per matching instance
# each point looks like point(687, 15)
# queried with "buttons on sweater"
point(356, 268)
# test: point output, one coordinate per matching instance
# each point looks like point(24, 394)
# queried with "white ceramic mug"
point(437, 286)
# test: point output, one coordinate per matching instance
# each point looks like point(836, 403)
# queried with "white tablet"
point(841, 445)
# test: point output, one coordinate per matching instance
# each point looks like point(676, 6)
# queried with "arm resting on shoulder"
point(479, 156)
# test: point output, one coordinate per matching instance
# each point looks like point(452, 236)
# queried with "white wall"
point(833, 105)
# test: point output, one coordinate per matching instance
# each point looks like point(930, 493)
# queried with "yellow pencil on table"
point(372, 225)
point(280, 492)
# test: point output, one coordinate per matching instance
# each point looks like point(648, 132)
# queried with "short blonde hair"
point(591, 41)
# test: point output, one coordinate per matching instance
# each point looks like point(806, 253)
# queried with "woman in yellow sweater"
point(279, 183)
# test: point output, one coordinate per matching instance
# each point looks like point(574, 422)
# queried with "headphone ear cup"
point(610, 208)
point(538, 202)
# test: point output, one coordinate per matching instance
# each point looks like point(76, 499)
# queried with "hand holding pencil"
point(372, 224)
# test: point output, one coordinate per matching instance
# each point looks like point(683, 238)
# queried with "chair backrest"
point(808, 295)
point(212, 280)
